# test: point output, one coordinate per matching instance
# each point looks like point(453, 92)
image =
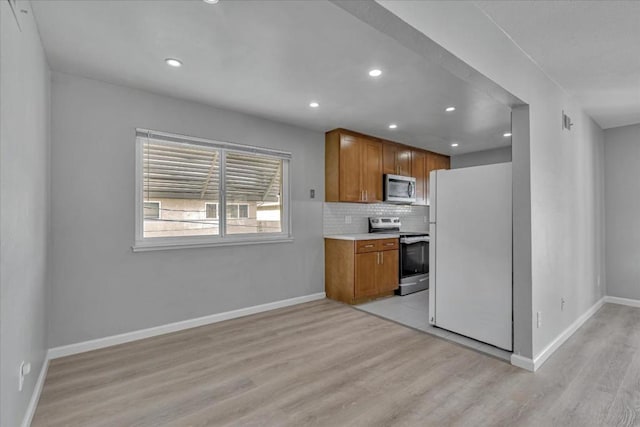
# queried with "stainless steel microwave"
point(399, 189)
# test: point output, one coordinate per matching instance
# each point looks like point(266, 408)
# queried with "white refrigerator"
point(470, 254)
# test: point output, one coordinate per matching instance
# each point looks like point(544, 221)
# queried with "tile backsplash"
point(335, 216)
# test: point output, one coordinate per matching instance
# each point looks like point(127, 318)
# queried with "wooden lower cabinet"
point(357, 271)
point(366, 267)
point(389, 272)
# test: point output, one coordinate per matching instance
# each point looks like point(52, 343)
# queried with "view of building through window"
point(182, 187)
point(151, 210)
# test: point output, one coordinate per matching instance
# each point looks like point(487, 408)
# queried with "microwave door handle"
point(410, 189)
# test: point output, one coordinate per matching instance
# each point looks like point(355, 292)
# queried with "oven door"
point(414, 256)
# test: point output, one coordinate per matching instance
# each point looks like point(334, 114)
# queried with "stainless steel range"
point(414, 254)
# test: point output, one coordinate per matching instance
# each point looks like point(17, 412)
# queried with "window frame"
point(221, 239)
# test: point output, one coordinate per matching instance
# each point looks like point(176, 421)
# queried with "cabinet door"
point(366, 268)
point(389, 153)
point(418, 167)
point(396, 159)
point(372, 170)
point(403, 162)
point(388, 276)
point(442, 162)
point(350, 169)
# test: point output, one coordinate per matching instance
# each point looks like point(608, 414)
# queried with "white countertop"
point(363, 236)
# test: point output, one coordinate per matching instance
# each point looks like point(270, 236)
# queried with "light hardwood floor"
point(327, 364)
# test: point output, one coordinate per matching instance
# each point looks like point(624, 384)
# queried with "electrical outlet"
point(25, 369)
point(347, 219)
point(562, 303)
point(312, 193)
point(539, 319)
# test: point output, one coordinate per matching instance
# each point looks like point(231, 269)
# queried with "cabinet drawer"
point(388, 244)
point(364, 246)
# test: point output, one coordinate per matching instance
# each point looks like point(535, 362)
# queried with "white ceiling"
point(590, 48)
point(271, 59)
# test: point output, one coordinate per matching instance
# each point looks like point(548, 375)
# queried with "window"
point(197, 192)
point(151, 210)
point(236, 211)
point(211, 210)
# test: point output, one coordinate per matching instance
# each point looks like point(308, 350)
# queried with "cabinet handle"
point(366, 195)
point(368, 246)
point(389, 244)
point(378, 257)
point(381, 257)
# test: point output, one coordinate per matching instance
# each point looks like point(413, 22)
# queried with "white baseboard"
point(534, 365)
point(35, 396)
point(522, 362)
point(622, 301)
point(82, 347)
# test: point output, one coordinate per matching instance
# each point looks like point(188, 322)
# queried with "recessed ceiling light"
point(455, 144)
point(211, 1)
point(314, 104)
point(507, 134)
point(173, 62)
point(375, 73)
point(393, 126)
point(450, 109)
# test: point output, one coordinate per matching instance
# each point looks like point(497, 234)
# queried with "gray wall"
point(100, 287)
point(565, 175)
point(479, 158)
point(622, 201)
point(24, 208)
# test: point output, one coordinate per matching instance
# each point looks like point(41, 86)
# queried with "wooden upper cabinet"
point(419, 167)
point(396, 159)
point(372, 171)
point(389, 158)
point(350, 169)
point(353, 167)
point(435, 162)
point(355, 164)
point(404, 162)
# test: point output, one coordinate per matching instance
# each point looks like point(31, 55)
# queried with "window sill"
point(163, 246)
